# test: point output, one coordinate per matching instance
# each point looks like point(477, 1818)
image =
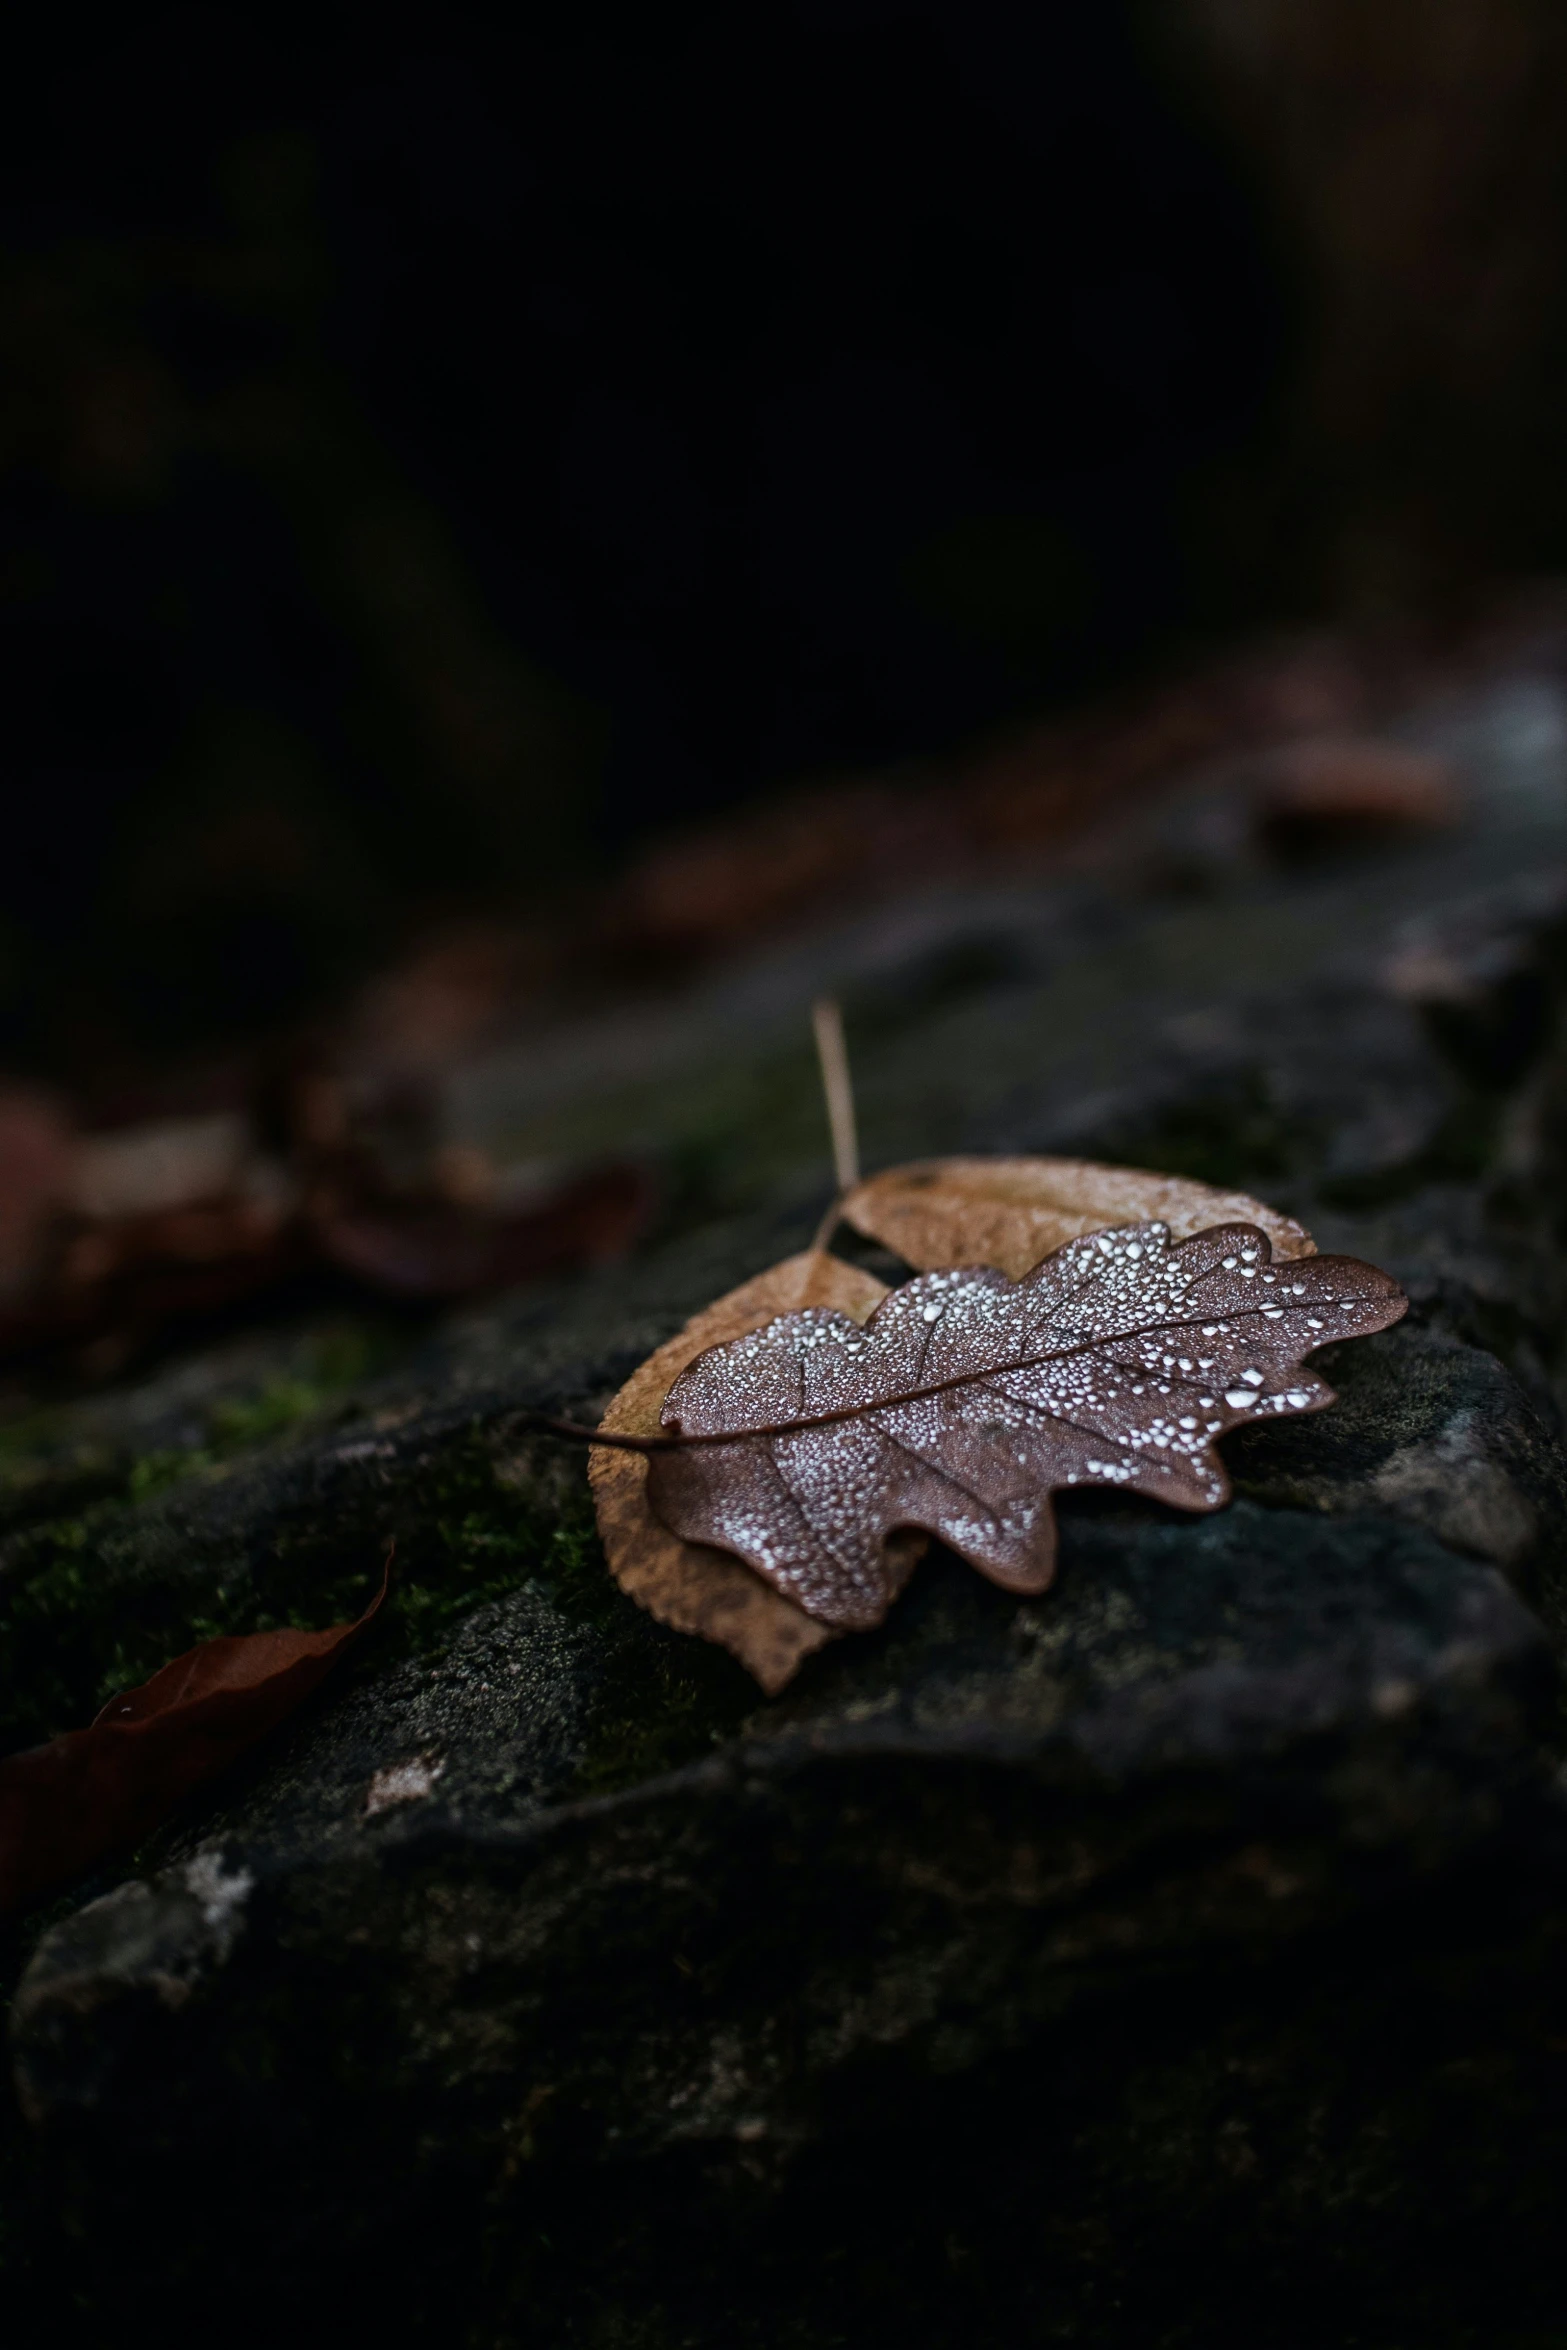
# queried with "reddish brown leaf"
point(1011, 1212)
point(690, 1585)
point(65, 1805)
point(806, 1447)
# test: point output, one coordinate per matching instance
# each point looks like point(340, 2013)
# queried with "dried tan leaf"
point(691, 1585)
point(808, 1447)
point(1012, 1212)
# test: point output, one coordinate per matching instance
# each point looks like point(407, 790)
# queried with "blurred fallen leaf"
point(688, 1584)
point(107, 1240)
point(96, 1791)
point(1012, 1212)
point(1336, 791)
point(159, 1164)
point(120, 1282)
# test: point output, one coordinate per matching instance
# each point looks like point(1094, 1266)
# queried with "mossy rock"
point(1173, 1958)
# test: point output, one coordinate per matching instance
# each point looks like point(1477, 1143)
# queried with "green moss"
point(338, 1358)
point(41, 1475)
point(468, 1535)
point(48, 1467)
point(98, 1600)
point(671, 1707)
point(72, 1637)
point(483, 1540)
point(155, 1471)
point(100, 1586)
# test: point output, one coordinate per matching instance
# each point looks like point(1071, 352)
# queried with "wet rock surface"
point(1176, 1958)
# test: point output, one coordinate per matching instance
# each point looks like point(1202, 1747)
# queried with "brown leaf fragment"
point(808, 1446)
point(689, 1584)
point(65, 1805)
point(1011, 1212)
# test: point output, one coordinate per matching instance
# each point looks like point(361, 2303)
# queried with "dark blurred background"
point(439, 457)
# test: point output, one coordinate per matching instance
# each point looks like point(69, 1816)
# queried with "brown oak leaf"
point(691, 1585)
point(1011, 1212)
point(806, 1447)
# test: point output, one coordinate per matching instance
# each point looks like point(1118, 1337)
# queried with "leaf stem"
point(831, 1219)
point(580, 1433)
point(838, 1086)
